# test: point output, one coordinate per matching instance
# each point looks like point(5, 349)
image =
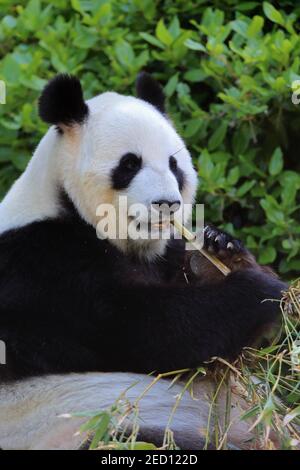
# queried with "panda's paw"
point(227, 249)
point(222, 244)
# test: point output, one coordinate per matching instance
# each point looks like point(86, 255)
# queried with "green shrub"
point(227, 68)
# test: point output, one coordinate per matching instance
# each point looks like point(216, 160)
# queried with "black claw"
point(216, 240)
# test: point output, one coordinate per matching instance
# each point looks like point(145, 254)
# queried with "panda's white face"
point(109, 147)
point(126, 148)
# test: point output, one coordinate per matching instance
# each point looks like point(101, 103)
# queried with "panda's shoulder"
point(49, 242)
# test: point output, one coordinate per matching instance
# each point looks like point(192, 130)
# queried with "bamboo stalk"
point(193, 240)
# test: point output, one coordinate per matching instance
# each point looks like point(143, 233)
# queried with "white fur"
point(30, 411)
point(33, 196)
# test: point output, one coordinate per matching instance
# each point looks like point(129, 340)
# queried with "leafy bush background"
point(227, 68)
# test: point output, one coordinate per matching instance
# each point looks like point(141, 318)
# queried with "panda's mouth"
point(161, 225)
point(150, 225)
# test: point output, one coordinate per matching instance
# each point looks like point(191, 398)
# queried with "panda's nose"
point(164, 205)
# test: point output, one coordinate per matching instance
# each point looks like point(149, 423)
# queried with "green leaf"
point(163, 34)
point(195, 75)
point(273, 14)
point(273, 210)
point(5, 154)
point(267, 255)
point(32, 14)
point(206, 165)
point(174, 27)
point(20, 161)
point(290, 183)
point(102, 428)
point(195, 46)
point(92, 423)
point(10, 69)
point(218, 136)
point(152, 40)
point(251, 413)
point(143, 446)
point(255, 26)
point(245, 188)
point(76, 5)
point(246, 6)
point(233, 176)
point(240, 27)
point(268, 410)
point(9, 22)
point(171, 85)
point(125, 53)
point(276, 162)
point(241, 139)
point(193, 126)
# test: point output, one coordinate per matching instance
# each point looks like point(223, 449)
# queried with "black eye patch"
point(177, 172)
point(129, 165)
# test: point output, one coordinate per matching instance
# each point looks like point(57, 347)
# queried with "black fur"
point(71, 302)
point(62, 101)
point(128, 167)
point(151, 91)
point(177, 172)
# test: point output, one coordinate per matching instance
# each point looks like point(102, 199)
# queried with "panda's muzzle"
point(160, 215)
point(164, 211)
point(165, 207)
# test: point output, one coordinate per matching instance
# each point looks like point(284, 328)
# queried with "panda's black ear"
point(148, 89)
point(61, 101)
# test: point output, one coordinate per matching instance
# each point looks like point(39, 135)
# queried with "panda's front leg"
point(227, 249)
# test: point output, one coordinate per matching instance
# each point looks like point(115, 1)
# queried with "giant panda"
point(83, 316)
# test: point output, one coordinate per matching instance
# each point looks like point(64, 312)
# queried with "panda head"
point(115, 145)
